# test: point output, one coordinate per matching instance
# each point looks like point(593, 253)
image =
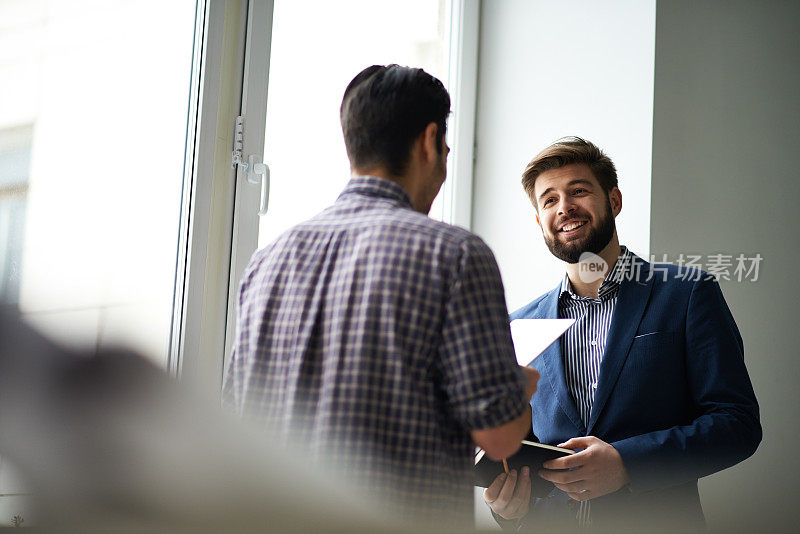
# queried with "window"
point(313, 58)
point(93, 128)
point(122, 218)
point(92, 143)
point(15, 155)
point(311, 52)
point(127, 223)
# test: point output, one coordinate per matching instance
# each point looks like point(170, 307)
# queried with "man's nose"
point(565, 207)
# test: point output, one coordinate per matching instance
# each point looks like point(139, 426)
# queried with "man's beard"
point(596, 241)
point(435, 186)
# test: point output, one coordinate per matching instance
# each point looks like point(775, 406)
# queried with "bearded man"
point(649, 385)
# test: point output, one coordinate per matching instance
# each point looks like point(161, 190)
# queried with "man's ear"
point(431, 151)
point(615, 198)
point(538, 221)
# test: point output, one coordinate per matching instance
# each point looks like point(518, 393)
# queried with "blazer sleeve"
point(726, 429)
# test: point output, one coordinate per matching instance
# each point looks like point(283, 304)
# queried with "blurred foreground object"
point(110, 441)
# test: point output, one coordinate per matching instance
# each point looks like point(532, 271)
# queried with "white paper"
point(532, 336)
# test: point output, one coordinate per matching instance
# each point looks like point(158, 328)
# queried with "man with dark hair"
point(649, 384)
point(374, 338)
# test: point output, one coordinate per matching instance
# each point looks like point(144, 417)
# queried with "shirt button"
point(594, 342)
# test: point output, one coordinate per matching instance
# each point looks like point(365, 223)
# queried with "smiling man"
point(649, 384)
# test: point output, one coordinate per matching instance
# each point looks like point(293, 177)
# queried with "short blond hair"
point(569, 151)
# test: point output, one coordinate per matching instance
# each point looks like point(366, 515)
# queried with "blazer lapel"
point(551, 364)
point(631, 303)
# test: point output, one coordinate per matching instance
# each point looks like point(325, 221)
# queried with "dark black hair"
point(384, 109)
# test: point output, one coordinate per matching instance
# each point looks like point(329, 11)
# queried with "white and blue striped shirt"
point(584, 343)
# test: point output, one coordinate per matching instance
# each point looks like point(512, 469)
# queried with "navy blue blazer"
point(673, 397)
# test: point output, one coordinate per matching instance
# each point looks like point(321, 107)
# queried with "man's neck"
point(610, 254)
point(407, 182)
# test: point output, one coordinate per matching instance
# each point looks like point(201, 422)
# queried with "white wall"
point(547, 70)
point(725, 179)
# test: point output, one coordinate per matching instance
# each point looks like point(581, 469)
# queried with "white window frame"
point(197, 337)
point(219, 231)
point(463, 83)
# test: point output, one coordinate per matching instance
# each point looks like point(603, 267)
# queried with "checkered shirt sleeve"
point(484, 384)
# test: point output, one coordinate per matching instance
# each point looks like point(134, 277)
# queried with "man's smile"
point(572, 226)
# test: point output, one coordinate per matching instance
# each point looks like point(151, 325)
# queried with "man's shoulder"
point(676, 287)
point(535, 309)
point(422, 226)
point(676, 278)
point(395, 230)
point(417, 229)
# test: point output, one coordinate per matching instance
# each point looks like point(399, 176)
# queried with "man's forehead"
point(564, 176)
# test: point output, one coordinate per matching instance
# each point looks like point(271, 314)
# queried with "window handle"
point(258, 173)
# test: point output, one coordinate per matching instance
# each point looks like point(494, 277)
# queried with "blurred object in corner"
point(111, 441)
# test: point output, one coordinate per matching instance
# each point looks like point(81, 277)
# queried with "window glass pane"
point(313, 59)
point(93, 115)
point(15, 152)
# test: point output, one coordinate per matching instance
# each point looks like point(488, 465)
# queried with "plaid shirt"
point(377, 338)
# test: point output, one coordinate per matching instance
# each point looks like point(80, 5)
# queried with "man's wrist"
point(512, 525)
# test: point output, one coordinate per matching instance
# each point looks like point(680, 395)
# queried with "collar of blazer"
point(634, 294)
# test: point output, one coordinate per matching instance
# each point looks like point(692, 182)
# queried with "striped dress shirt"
point(584, 343)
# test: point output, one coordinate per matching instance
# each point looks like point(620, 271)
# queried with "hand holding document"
point(532, 336)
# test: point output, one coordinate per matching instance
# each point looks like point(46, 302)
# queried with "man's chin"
point(569, 253)
point(590, 239)
point(572, 258)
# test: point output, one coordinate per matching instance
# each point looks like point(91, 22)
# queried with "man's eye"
point(548, 201)
point(579, 191)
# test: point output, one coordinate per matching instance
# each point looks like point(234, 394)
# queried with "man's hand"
point(533, 378)
point(509, 495)
point(595, 471)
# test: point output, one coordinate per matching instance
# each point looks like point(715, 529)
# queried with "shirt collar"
point(377, 187)
point(611, 282)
